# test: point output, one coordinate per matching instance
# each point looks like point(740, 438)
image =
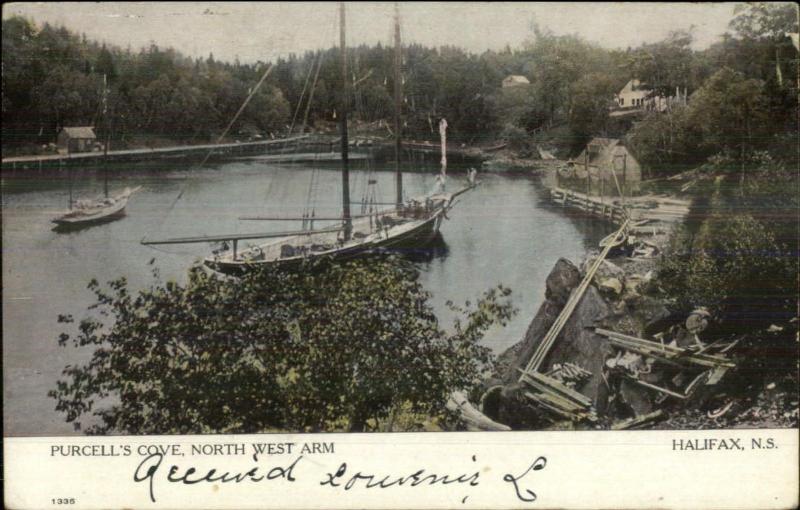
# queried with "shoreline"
point(604, 370)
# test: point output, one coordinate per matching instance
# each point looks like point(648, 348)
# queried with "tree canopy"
point(338, 346)
point(52, 77)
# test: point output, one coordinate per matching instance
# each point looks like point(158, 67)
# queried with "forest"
point(742, 90)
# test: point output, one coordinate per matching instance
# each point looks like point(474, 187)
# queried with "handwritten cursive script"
point(529, 495)
point(152, 471)
point(372, 481)
point(150, 467)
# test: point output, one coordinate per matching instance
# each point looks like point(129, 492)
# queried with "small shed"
point(605, 158)
point(77, 139)
point(515, 80)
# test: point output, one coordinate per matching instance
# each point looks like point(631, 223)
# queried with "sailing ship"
point(410, 223)
point(83, 213)
point(92, 212)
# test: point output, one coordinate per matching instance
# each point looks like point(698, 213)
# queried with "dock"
point(282, 146)
point(649, 214)
point(305, 157)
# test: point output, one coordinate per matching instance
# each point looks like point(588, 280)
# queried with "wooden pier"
point(186, 152)
point(649, 214)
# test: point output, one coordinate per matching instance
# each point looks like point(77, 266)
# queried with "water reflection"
point(504, 231)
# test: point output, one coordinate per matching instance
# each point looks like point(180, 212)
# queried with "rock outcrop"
point(577, 344)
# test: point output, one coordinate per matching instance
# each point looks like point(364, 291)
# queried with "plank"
point(638, 421)
point(234, 237)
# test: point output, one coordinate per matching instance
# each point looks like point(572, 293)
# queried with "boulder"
point(606, 270)
point(577, 343)
point(635, 282)
point(610, 286)
point(562, 279)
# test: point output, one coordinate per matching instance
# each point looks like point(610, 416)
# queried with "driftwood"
point(557, 397)
point(475, 419)
point(639, 421)
point(664, 352)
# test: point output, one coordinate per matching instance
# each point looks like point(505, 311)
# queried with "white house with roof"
point(633, 95)
point(637, 96)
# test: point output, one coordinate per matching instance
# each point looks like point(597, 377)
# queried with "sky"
point(263, 31)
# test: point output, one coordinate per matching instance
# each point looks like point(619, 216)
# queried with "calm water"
point(502, 232)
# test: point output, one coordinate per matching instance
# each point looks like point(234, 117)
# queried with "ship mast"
point(397, 103)
point(108, 136)
point(347, 222)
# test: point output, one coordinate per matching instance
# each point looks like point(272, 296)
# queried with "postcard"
point(400, 255)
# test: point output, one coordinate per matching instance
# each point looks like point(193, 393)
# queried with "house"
point(76, 139)
point(515, 80)
point(633, 95)
point(604, 159)
point(636, 96)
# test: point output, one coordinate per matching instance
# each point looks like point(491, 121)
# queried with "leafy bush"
point(331, 347)
point(731, 263)
point(517, 138)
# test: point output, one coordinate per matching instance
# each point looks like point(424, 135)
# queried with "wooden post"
point(69, 177)
point(235, 246)
point(624, 172)
point(586, 167)
point(343, 127)
point(397, 105)
point(602, 188)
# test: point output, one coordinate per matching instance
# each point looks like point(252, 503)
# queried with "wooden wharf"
point(649, 214)
point(282, 146)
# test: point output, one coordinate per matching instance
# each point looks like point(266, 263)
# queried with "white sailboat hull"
point(98, 212)
point(405, 232)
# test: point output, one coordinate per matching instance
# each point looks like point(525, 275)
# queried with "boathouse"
point(604, 158)
point(76, 139)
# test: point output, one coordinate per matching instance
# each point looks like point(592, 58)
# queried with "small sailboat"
point(83, 213)
point(92, 212)
point(409, 224)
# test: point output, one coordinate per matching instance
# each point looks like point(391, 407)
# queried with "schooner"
point(410, 223)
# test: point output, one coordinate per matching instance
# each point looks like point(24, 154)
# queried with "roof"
point(79, 132)
point(635, 85)
point(608, 147)
point(604, 142)
point(515, 78)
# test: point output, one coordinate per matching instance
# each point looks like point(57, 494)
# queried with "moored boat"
point(85, 212)
point(408, 224)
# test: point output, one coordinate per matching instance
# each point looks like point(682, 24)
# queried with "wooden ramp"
point(551, 393)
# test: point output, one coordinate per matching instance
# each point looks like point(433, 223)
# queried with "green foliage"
point(52, 78)
point(591, 98)
point(334, 346)
point(743, 91)
point(765, 20)
point(729, 111)
point(665, 65)
point(730, 114)
point(663, 140)
point(732, 259)
point(518, 139)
